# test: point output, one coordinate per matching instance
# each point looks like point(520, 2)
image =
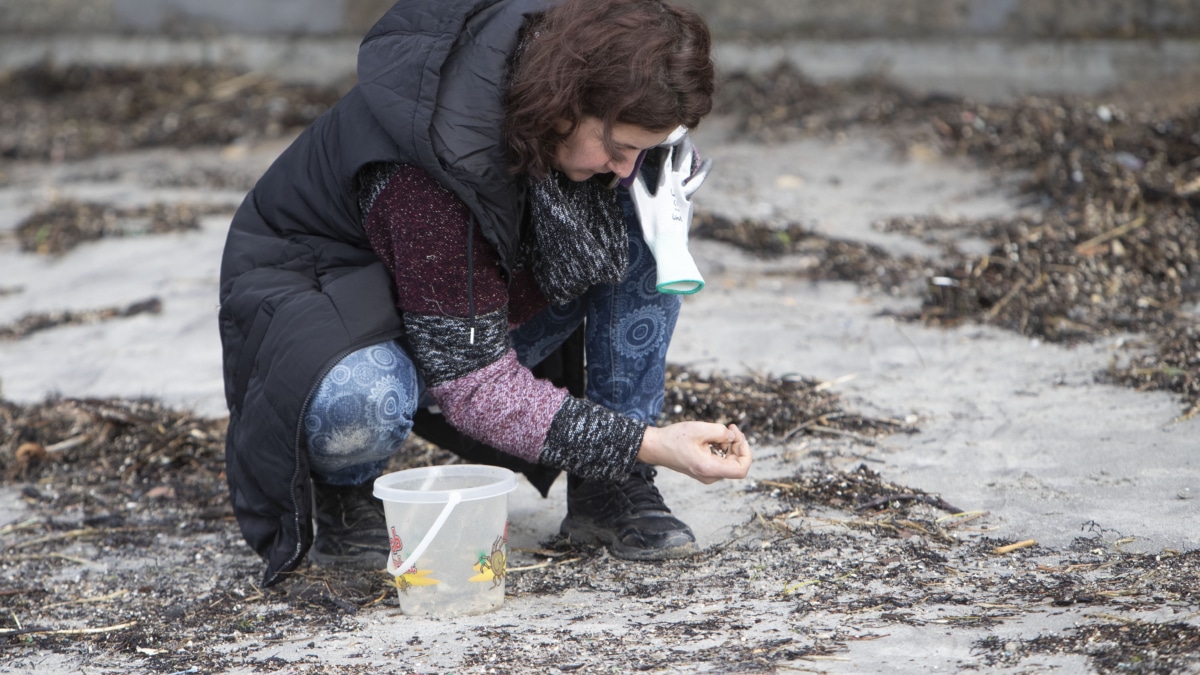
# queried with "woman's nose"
point(622, 167)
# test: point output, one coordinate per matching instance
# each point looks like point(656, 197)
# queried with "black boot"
point(629, 517)
point(351, 529)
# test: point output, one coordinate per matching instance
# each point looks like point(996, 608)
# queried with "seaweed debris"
point(766, 408)
point(816, 256)
point(40, 321)
point(1116, 647)
point(1113, 247)
point(129, 550)
point(67, 223)
point(78, 111)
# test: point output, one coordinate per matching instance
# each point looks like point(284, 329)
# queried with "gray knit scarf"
point(579, 237)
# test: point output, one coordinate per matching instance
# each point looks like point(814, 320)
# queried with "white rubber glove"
point(666, 213)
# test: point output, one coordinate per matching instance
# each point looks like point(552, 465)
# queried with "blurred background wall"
point(1016, 19)
point(976, 47)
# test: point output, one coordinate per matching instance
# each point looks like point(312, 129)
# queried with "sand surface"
point(1008, 425)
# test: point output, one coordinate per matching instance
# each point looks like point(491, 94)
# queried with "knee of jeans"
point(362, 411)
point(348, 445)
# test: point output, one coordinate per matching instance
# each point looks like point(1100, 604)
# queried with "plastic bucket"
point(448, 528)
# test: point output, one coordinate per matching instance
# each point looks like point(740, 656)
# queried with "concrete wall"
point(1008, 19)
point(763, 19)
point(989, 49)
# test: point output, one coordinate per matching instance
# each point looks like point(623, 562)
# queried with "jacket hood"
point(435, 76)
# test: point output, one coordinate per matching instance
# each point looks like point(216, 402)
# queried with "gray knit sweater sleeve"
point(583, 437)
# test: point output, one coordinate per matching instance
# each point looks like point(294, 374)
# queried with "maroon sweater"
point(419, 230)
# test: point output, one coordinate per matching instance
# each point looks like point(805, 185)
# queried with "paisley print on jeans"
point(640, 332)
point(361, 414)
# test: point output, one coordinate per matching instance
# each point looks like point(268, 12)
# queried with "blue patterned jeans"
point(362, 410)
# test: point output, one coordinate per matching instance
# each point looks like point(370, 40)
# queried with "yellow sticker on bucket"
point(414, 578)
point(493, 566)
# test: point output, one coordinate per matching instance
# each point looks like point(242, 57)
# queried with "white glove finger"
point(679, 133)
point(693, 182)
point(682, 155)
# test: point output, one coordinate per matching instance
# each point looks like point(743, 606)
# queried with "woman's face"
point(582, 155)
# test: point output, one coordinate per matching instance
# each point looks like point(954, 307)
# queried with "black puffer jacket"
point(300, 286)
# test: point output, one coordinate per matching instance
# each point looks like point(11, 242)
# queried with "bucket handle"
point(410, 564)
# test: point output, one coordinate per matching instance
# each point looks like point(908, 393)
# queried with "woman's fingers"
point(739, 452)
point(705, 451)
point(737, 457)
point(730, 456)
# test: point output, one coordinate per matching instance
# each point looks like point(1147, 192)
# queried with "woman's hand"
point(696, 448)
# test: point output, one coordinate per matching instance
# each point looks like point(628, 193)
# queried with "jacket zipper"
point(332, 363)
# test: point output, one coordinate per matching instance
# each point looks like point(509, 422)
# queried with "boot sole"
point(587, 533)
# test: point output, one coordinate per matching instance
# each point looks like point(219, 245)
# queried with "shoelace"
point(639, 488)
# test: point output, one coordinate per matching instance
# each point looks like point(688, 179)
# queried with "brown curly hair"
point(642, 62)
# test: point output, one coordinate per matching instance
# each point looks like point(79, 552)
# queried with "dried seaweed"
point(1172, 365)
point(767, 408)
point(1129, 647)
point(817, 256)
point(135, 487)
point(1116, 247)
point(857, 490)
point(783, 103)
point(40, 321)
point(127, 442)
point(65, 224)
point(77, 111)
